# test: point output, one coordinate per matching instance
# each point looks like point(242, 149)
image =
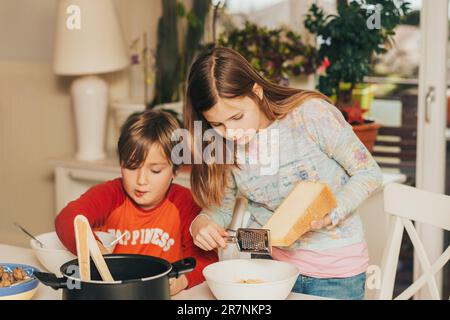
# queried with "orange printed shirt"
point(162, 231)
point(154, 233)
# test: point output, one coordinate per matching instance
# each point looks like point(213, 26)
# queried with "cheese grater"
point(256, 241)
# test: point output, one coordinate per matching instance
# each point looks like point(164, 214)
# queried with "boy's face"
point(148, 185)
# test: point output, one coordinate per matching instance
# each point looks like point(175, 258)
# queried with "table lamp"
point(88, 42)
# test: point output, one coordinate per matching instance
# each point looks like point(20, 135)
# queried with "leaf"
point(181, 9)
point(349, 44)
point(192, 20)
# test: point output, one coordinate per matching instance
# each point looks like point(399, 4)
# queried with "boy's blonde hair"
point(142, 130)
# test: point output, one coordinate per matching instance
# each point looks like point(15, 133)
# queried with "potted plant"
point(349, 41)
point(173, 57)
point(278, 54)
point(165, 67)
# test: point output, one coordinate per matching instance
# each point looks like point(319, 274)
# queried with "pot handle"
point(182, 266)
point(50, 280)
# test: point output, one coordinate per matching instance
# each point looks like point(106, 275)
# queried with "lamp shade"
point(88, 38)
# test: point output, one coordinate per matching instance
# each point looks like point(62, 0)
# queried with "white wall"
point(27, 30)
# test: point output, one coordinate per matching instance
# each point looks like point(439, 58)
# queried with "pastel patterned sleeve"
point(222, 214)
point(335, 136)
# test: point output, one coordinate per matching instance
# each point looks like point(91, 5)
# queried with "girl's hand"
point(176, 285)
point(207, 234)
point(321, 223)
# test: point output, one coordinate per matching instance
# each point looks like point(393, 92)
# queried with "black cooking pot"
point(137, 277)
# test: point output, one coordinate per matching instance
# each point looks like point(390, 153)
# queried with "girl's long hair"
point(224, 73)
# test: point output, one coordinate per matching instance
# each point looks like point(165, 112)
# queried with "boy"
point(144, 203)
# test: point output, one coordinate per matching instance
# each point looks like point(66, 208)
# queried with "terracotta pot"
point(367, 133)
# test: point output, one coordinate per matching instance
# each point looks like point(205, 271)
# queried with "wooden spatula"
point(86, 239)
point(81, 239)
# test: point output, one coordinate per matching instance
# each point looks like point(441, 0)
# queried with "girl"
point(314, 142)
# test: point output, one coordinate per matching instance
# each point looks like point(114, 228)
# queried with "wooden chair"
point(405, 204)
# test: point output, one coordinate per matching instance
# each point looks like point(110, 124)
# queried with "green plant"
point(196, 23)
point(275, 53)
point(167, 62)
point(350, 39)
point(172, 57)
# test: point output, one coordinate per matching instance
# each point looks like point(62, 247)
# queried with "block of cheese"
point(308, 201)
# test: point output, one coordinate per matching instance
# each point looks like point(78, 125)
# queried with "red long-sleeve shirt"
point(162, 231)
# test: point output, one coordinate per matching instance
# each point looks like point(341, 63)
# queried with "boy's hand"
point(321, 223)
point(176, 285)
point(207, 234)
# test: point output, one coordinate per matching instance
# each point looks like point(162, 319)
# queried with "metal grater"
point(255, 241)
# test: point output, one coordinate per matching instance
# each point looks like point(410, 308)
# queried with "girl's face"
point(148, 185)
point(237, 119)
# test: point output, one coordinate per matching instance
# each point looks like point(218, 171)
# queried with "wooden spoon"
point(81, 238)
point(93, 249)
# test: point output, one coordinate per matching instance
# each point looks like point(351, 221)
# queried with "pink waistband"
point(340, 262)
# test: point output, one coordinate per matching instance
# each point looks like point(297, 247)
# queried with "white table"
point(371, 211)
point(12, 254)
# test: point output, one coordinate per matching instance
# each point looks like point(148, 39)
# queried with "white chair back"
point(405, 204)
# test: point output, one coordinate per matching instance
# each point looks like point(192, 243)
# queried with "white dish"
point(20, 291)
point(54, 254)
point(224, 279)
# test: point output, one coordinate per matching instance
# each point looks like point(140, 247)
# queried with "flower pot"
point(367, 133)
point(363, 93)
point(304, 82)
point(176, 107)
point(123, 109)
point(448, 111)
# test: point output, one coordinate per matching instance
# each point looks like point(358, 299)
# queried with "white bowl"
point(54, 254)
point(224, 279)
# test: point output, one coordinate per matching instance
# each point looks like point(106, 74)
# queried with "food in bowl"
point(8, 278)
point(55, 254)
point(17, 281)
point(251, 279)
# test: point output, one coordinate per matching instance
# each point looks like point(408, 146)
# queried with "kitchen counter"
point(13, 254)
